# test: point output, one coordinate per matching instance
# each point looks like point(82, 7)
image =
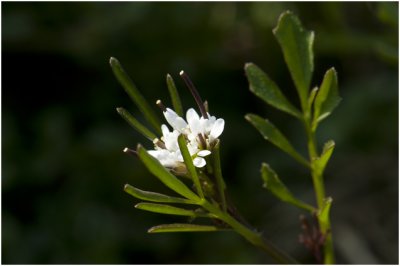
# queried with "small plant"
point(186, 159)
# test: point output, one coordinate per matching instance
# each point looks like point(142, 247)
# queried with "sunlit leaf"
point(272, 134)
point(136, 124)
point(135, 94)
point(321, 162)
point(297, 46)
point(169, 228)
point(156, 168)
point(164, 209)
point(263, 87)
point(275, 185)
point(153, 196)
point(327, 97)
point(173, 92)
point(189, 164)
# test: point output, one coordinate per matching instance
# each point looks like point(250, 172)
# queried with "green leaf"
point(311, 98)
point(153, 196)
point(321, 162)
point(156, 168)
point(272, 134)
point(136, 124)
point(173, 92)
point(263, 87)
point(297, 46)
point(164, 209)
point(275, 185)
point(189, 164)
point(323, 215)
point(170, 228)
point(327, 97)
point(218, 175)
point(135, 94)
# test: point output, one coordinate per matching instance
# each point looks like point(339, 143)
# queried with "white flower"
point(175, 120)
point(200, 133)
point(210, 128)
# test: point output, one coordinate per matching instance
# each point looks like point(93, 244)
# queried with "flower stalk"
point(195, 93)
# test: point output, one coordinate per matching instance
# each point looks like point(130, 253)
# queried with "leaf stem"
point(253, 237)
point(218, 176)
point(189, 165)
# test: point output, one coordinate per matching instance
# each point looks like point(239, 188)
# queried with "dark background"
point(63, 169)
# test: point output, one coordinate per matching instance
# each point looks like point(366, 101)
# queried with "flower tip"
point(248, 64)
point(131, 152)
point(181, 73)
point(113, 61)
point(126, 187)
point(161, 105)
point(139, 147)
point(120, 110)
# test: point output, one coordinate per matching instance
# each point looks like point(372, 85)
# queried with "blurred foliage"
point(63, 169)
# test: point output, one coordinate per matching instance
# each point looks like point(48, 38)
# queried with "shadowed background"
point(63, 169)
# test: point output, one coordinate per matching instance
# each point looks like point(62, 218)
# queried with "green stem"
point(218, 176)
point(319, 188)
point(253, 237)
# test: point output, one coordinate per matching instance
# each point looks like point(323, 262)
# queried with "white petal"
point(209, 124)
point(203, 153)
point(174, 120)
point(171, 141)
point(159, 154)
point(193, 120)
point(164, 130)
point(191, 116)
point(192, 147)
point(203, 126)
point(199, 162)
point(217, 128)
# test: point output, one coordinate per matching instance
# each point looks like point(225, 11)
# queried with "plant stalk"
point(319, 188)
point(253, 237)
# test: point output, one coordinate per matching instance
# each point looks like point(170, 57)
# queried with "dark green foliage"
point(62, 161)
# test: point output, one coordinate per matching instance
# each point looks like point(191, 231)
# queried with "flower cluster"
point(200, 133)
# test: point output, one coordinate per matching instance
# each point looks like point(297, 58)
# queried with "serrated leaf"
point(153, 196)
point(272, 134)
point(264, 88)
point(321, 162)
point(164, 209)
point(156, 168)
point(136, 124)
point(327, 97)
point(297, 46)
point(173, 92)
point(189, 164)
point(135, 94)
point(171, 228)
point(275, 185)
